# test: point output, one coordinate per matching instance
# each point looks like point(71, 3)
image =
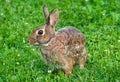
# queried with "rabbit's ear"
point(46, 12)
point(53, 18)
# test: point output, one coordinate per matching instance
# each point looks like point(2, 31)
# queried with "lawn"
point(99, 20)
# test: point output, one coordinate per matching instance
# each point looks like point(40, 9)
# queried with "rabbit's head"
point(44, 33)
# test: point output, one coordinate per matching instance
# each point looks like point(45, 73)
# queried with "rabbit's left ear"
point(46, 12)
point(53, 17)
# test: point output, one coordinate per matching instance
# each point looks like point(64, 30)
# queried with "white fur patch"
point(77, 46)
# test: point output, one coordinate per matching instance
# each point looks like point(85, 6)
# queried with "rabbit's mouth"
point(40, 44)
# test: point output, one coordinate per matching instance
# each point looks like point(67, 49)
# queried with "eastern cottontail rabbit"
point(64, 47)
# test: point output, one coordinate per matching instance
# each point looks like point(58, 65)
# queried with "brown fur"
point(64, 47)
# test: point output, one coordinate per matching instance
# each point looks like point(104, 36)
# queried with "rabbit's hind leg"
point(82, 58)
point(68, 66)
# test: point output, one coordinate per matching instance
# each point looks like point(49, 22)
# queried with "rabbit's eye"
point(40, 32)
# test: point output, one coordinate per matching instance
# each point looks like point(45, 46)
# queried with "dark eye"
point(40, 32)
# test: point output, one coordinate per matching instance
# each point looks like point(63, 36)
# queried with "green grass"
point(99, 20)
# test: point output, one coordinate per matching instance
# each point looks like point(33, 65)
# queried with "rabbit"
point(65, 47)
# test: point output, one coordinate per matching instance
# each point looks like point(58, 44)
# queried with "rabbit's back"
point(71, 37)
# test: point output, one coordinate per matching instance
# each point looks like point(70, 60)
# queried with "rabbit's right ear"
point(53, 17)
point(46, 13)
